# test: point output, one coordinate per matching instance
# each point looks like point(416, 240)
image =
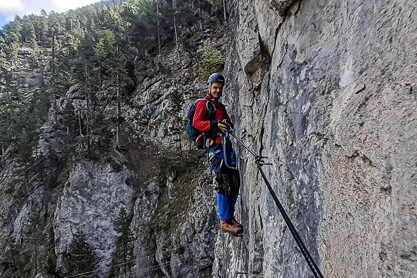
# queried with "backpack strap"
point(211, 109)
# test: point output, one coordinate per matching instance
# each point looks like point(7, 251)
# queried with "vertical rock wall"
point(91, 203)
point(327, 91)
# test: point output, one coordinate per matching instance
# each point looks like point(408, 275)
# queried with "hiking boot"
point(230, 228)
point(234, 223)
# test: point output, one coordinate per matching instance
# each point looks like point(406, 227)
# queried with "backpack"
point(193, 133)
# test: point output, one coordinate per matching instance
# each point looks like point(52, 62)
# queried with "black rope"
point(259, 162)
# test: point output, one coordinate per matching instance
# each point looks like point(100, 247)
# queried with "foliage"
point(34, 237)
point(67, 79)
point(21, 115)
point(168, 213)
point(18, 121)
point(24, 258)
point(123, 255)
point(95, 47)
point(177, 100)
point(80, 257)
point(211, 61)
point(11, 253)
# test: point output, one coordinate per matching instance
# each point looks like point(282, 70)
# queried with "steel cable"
point(259, 162)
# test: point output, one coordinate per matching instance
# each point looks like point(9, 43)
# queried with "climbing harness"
point(259, 160)
point(224, 152)
point(228, 154)
point(212, 153)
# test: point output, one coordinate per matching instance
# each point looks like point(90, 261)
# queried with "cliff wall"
point(327, 91)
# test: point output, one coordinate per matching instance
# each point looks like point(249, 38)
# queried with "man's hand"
point(223, 127)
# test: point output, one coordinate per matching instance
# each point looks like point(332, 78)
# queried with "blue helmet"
point(215, 77)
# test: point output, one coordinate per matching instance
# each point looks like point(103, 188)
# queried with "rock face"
point(90, 203)
point(327, 91)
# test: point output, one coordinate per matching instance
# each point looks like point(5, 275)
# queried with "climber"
point(222, 158)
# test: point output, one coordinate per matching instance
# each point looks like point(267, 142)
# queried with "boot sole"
point(238, 234)
point(234, 234)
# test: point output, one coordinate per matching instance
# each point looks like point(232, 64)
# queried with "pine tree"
point(34, 236)
point(146, 25)
point(80, 257)
point(41, 29)
point(14, 29)
point(13, 39)
point(29, 36)
point(28, 31)
point(105, 53)
point(54, 29)
point(3, 59)
point(124, 246)
point(211, 61)
point(11, 253)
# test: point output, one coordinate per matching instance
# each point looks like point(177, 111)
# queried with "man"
point(211, 118)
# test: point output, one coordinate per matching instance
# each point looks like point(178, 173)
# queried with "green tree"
point(105, 52)
point(35, 237)
point(29, 36)
point(14, 30)
point(12, 39)
point(39, 104)
point(80, 257)
point(124, 246)
point(11, 253)
point(28, 31)
point(113, 48)
point(211, 61)
point(24, 147)
point(146, 25)
point(67, 79)
point(54, 29)
point(41, 29)
point(3, 59)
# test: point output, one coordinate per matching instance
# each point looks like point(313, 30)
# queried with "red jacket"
point(201, 121)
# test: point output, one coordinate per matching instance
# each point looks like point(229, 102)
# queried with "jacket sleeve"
point(200, 121)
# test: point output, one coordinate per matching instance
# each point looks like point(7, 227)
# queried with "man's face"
point(216, 89)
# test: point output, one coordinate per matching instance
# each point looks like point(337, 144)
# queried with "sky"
point(10, 8)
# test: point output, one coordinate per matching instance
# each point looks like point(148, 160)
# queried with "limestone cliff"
point(327, 91)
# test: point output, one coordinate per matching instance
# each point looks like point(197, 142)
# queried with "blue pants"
point(226, 206)
point(227, 179)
